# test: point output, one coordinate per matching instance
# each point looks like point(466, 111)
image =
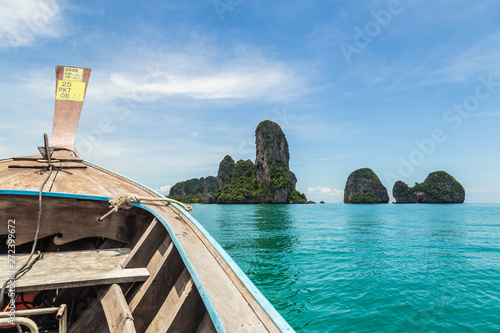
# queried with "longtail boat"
point(83, 249)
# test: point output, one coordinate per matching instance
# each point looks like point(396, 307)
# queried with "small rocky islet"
point(438, 187)
point(364, 186)
point(269, 180)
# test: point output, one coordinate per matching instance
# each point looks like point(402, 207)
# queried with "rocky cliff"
point(272, 148)
point(226, 169)
point(202, 190)
point(364, 186)
point(271, 163)
point(438, 187)
point(269, 180)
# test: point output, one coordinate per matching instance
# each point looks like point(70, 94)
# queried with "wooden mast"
point(71, 87)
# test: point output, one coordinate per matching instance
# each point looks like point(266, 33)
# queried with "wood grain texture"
point(67, 114)
point(147, 245)
point(148, 300)
point(75, 269)
point(116, 310)
point(70, 219)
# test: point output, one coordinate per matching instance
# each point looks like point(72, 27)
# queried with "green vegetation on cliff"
point(242, 184)
point(244, 187)
point(269, 180)
point(364, 186)
point(438, 187)
point(368, 197)
point(196, 190)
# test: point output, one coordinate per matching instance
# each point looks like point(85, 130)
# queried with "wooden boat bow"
point(150, 268)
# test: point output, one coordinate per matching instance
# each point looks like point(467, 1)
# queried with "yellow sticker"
point(73, 74)
point(70, 91)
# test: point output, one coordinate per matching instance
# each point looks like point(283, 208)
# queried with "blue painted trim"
point(276, 317)
point(55, 194)
point(196, 279)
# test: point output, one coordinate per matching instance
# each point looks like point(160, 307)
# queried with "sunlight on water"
point(368, 268)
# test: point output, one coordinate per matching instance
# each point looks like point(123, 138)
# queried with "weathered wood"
point(116, 310)
point(39, 157)
point(147, 245)
point(69, 218)
point(40, 166)
point(183, 315)
point(239, 311)
point(116, 184)
point(147, 301)
point(164, 313)
point(74, 269)
point(67, 114)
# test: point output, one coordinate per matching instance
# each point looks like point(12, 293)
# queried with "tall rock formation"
point(271, 161)
point(364, 186)
point(226, 169)
point(271, 148)
point(438, 187)
point(269, 180)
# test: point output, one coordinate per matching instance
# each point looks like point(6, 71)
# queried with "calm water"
point(368, 268)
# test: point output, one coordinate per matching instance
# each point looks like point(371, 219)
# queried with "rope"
point(122, 201)
point(29, 263)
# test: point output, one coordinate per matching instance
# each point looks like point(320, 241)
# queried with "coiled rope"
point(122, 201)
point(29, 263)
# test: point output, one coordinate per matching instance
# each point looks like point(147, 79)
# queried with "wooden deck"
point(237, 308)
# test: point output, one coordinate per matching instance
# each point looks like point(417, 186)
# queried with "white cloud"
point(325, 193)
point(165, 189)
point(22, 21)
point(203, 75)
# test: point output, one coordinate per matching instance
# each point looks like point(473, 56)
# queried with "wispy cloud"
point(325, 193)
point(23, 21)
point(479, 59)
point(247, 75)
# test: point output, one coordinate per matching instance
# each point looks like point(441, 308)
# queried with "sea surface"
point(368, 268)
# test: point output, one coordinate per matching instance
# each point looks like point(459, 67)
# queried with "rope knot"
point(121, 201)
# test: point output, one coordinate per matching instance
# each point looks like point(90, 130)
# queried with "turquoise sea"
point(368, 268)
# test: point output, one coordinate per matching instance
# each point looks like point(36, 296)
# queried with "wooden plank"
point(115, 183)
point(67, 114)
point(39, 157)
point(168, 306)
point(147, 245)
point(185, 315)
point(116, 310)
point(41, 166)
point(71, 219)
point(20, 179)
point(78, 182)
point(236, 307)
point(75, 269)
point(147, 301)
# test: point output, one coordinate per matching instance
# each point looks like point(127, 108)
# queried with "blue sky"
point(403, 87)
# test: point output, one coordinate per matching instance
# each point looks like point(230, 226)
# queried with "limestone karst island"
point(269, 180)
point(438, 187)
point(364, 186)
